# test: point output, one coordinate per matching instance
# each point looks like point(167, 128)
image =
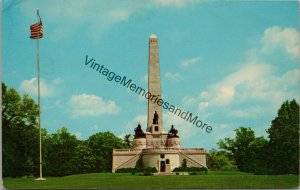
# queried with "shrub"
point(150, 170)
point(189, 169)
point(126, 170)
point(135, 170)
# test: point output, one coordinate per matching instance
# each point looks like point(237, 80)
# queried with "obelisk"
point(155, 117)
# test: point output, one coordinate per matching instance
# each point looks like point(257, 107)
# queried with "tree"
point(102, 144)
point(20, 134)
point(218, 160)
point(60, 151)
point(283, 147)
point(256, 156)
point(83, 160)
point(128, 140)
point(245, 149)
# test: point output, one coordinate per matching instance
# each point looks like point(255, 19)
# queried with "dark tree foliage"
point(102, 145)
point(83, 160)
point(220, 160)
point(283, 147)
point(279, 155)
point(246, 150)
point(189, 169)
point(60, 147)
point(128, 140)
point(19, 133)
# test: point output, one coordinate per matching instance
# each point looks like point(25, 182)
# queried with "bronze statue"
point(173, 132)
point(139, 133)
point(155, 118)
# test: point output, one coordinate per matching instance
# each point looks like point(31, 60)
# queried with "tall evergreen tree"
point(283, 147)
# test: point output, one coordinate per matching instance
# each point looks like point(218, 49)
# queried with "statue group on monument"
point(173, 132)
point(139, 133)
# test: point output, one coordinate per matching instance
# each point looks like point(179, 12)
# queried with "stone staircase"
point(189, 159)
point(133, 159)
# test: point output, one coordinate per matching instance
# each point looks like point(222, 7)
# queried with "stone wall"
point(125, 158)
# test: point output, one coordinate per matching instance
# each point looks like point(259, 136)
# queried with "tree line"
point(64, 154)
point(279, 154)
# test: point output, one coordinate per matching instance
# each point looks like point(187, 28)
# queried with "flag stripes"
point(36, 30)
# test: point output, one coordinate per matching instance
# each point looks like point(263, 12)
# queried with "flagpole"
point(39, 104)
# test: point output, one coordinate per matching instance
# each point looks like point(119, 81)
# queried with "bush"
point(150, 170)
point(229, 168)
point(189, 169)
point(193, 173)
point(126, 170)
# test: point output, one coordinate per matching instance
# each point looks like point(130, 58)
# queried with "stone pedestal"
point(139, 143)
point(173, 142)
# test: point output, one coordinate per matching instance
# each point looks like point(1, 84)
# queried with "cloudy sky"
point(231, 63)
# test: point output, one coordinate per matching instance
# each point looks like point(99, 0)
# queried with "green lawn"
point(108, 180)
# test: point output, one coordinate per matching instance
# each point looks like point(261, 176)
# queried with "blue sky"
point(231, 63)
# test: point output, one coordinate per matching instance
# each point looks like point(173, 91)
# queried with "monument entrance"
point(162, 166)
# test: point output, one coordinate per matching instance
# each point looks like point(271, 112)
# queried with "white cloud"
point(121, 15)
point(187, 63)
point(93, 15)
point(292, 77)
point(78, 135)
point(286, 38)
point(256, 81)
point(174, 76)
point(188, 100)
point(47, 89)
point(145, 78)
point(251, 111)
point(141, 118)
point(186, 130)
point(94, 128)
point(91, 105)
point(142, 99)
point(223, 93)
point(178, 3)
point(58, 104)
point(203, 105)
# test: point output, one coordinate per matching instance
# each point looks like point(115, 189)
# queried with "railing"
point(163, 148)
point(195, 150)
point(126, 151)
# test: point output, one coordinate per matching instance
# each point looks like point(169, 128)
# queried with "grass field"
point(108, 180)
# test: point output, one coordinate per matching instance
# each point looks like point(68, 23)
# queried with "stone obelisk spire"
point(155, 118)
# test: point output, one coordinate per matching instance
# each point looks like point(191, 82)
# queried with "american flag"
point(36, 30)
